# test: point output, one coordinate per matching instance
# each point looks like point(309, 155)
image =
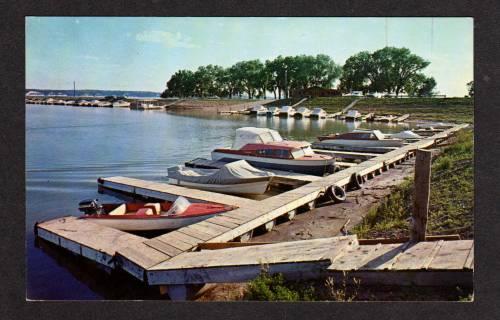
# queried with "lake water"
point(68, 148)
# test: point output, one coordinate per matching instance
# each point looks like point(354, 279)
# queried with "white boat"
point(287, 111)
point(121, 104)
point(318, 113)
point(236, 177)
point(384, 118)
point(61, 102)
point(105, 104)
point(149, 216)
point(264, 148)
point(405, 135)
point(273, 111)
point(352, 115)
point(83, 103)
point(69, 102)
point(303, 112)
point(94, 103)
point(149, 106)
point(259, 111)
point(361, 138)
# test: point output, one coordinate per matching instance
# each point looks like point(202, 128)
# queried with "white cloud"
point(169, 39)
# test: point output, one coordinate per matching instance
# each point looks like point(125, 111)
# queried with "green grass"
point(329, 104)
point(451, 200)
point(438, 109)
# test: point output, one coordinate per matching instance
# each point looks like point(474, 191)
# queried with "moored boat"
point(318, 113)
point(361, 138)
point(121, 104)
point(287, 111)
point(236, 177)
point(259, 111)
point(352, 115)
point(273, 111)
point(264, 148)
point(105, 104)
point(302, 112)
point(149, 216)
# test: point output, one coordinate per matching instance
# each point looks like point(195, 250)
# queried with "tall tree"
point(357, 72)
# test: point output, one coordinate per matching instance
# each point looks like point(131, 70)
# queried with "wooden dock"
point(151, 259)
point(397, 263)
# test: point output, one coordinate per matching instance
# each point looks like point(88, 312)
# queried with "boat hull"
point(312, 167)
point(363, 143)
point(250, 188)
point(148, 224)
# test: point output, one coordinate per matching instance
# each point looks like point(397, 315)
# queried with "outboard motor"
point(90, 206)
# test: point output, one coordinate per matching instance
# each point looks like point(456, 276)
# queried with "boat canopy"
point(318, 110)
point(302, 110)
point(248, 135)
point(353, 113)
point(232, 173)
point(286, 108)
point(259, 108)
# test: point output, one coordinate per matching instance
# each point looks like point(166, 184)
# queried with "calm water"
point(68, 148)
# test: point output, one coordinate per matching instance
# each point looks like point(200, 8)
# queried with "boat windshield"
point(179, 206)
point(305, 151)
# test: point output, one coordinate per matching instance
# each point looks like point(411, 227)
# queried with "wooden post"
point(421, 196)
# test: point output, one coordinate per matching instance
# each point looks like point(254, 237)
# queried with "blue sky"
point(142, 53)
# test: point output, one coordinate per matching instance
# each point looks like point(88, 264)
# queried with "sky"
point(141, 53)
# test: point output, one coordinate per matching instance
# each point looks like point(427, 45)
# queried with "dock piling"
point(421, 196)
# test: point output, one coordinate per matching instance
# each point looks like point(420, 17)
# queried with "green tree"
point(470, 88)
point(357, 72)
point(420, 85)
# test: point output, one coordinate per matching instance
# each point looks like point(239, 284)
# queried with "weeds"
point(451, 199)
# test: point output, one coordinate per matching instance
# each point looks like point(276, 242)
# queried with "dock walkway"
point(143, 257)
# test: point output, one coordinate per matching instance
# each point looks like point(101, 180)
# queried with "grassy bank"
point(451, 200)
point(330, 104)
point(275, 288)
point(439, 109)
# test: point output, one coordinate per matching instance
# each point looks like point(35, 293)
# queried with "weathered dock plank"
point(212, 265)
point(87, 239)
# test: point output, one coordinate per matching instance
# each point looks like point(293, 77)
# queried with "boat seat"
point(119, 211)
point(155, 206)
point(144, 212)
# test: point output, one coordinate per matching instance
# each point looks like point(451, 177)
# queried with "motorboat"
point(105, 104)
point(265, 148)
point(384, 118)
point(69, 102)
point(352, 115)
point(259, 111)
point(273, 111)
point(405, 135)
point(318, 113)
point(149, 106)
point(149, 216)
point(237, 177)
point(361, 138)
point(121, 104)
point(94, 103)
point(302, 112)
point(287, 111)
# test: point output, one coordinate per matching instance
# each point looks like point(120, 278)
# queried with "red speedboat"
point(149, 216)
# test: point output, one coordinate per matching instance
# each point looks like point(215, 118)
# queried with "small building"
point(315, 91)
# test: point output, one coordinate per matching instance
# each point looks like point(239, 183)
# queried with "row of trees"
point(391, 70)
point(255, 78)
